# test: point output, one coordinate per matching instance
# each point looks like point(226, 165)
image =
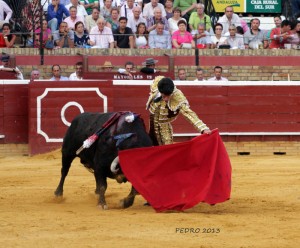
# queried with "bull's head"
point(115, 169)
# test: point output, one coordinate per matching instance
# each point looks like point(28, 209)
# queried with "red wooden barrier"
point(234, 109)
point(13, 112)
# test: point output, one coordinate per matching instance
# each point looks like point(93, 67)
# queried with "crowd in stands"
point(158, 24)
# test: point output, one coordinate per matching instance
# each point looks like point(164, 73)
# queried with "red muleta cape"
point(179, 176)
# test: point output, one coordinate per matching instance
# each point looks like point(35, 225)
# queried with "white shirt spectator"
point(148, 10)
point(45, 4)
point(226, 23)
point(215, 79)
point(4, 8)
point(120, 3)
point(101, 39)
point(133, 23)
point(73, 76)
point(80, 9)
point(19, 73)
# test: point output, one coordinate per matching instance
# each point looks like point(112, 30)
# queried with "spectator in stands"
point(277, 22)
point(89, 5)
point(5, 13)
point(46, 35)
point(77, 75)
point(105, 11)
point(120, 3)
point(236, 41)
point(80, 8)
point(91, 20)
point(123, 35)
point(113, 21)
point(229, 18)
point(56, 74)
point(126, 9)
point(199, 75)
point(149, 66)
point(159, 38)
point(148, 10)
point(6, 38)
point(254, 37)
point(81, 39)
point(63, 37)
point(73, 18)
point(199, 17)
point(203, 39)
point(181, 74)
point(173, 21)
point(187, 8)
point(295, 8)
point(169, 9)
point(218, 39)
point(157, 17)
point(218, 74)
point(6, 66)
point(280, 36)
point(294, 39)
point(107, 66)
point(182, 38)
point(101, 36)
point(141, 36)
point(129, 69)
point(35, 74)
point(55, 14)
point(136, 19)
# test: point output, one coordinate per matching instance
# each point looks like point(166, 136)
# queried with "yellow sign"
point(238, 5)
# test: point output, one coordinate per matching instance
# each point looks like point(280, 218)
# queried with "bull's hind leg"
point(128, 201)
point(66, 164)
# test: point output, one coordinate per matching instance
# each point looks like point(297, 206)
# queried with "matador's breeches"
point(164, 134)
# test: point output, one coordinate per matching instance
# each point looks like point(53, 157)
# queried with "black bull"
point(101, 154)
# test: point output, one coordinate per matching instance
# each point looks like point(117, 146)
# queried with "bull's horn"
point(114, 164)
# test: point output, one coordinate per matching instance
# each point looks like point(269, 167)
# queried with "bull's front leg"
point(101, 186)
point(128, 201)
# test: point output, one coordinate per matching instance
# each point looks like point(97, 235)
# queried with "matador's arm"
point(192, 117)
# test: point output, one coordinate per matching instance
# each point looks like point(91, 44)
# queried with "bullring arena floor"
point(263, 211)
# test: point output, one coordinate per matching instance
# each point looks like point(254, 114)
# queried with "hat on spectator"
point(5, 58)
point(150, 61)
point(107, 64)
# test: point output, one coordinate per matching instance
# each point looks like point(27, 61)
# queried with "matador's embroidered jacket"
point(163, 113)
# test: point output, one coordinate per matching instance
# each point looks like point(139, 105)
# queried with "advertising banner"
point(249, 6)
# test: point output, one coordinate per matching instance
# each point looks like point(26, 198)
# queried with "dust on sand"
point(262, 212)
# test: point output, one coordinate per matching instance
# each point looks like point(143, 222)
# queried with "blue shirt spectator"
point(55, 15)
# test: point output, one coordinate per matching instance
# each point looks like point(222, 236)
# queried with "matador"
point(165, 103)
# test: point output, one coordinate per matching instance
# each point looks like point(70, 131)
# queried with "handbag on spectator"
point(49, 44)
point(186, 45)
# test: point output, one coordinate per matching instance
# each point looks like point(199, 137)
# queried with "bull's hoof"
point(126, 203)
point(58, 193)
point(103, 207)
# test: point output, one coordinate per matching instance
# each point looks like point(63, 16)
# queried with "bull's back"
point(83, 126)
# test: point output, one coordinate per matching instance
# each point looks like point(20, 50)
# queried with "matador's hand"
point(206, 131)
